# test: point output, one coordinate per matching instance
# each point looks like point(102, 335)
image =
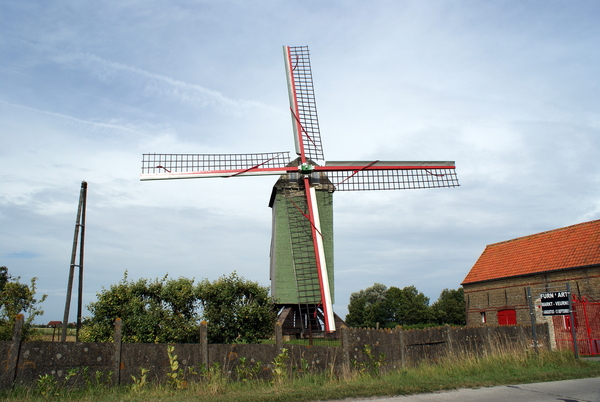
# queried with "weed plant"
point(372, 365)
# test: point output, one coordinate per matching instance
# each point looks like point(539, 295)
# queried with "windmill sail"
point(189, 166)
point(382, 175)
point(303, 107)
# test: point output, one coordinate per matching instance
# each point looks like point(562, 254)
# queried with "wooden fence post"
point(449, 339)
point(278, 336)
point(400, 332)
point(489, 341)
point(522, 337)
point(345, 344)
point(117, 356)
point(204, 344)
point(12, 360)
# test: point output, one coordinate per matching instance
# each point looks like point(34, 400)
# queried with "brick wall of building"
point(487, 298)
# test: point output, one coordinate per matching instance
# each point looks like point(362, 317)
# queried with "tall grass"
point(458, 370)
point(46, 334)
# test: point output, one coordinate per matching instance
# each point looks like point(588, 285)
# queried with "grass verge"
point(450, 373)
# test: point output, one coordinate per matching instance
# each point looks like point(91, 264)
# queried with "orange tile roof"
point(569, 247)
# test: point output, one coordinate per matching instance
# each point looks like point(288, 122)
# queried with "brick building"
point(496, 286)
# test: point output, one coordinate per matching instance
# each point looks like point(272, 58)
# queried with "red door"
point(507, 317)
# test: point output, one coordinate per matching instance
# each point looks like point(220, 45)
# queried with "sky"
point(507, 89)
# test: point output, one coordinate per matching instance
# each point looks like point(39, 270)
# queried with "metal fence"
point(587, 327)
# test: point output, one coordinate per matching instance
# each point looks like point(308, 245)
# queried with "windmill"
point(301, 200)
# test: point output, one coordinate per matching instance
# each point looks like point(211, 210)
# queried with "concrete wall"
point(115, 363)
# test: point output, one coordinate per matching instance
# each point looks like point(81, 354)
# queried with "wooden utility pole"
point(78, 241)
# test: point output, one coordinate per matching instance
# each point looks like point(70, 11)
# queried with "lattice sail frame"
point(185, 166)
point(303, 107)
point(345, 176)
point(364, 176)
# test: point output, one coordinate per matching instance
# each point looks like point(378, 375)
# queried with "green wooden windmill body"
point(293, 277)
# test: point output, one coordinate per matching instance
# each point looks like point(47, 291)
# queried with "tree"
point(379, 306)
point(450, 307)
point(369, 307)
point(17, 298)
point(3, 277)
point(169, 311)
point(158, 311)
point(408, 306)
point(237, 310)
point(388, 307)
